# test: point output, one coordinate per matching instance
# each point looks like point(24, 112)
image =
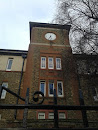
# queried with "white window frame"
point(42, 81)
point(43, 67)
point(51, 115)
point(63, 115)
point(50, 95)
point(51, 63)
point(10, 59)
point(62, 88)
point(58, 68)
point(41, 114)
point(3, 95)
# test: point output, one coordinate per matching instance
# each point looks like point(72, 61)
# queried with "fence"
point(54, 107)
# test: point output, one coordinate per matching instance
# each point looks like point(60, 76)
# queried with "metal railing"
point(54, 107)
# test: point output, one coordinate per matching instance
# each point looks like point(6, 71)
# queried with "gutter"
point(24, 57)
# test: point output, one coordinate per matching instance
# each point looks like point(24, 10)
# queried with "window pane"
point(41, 115)
point(50, 63)
point(42, 87)
point(4, 91)
point(51, 88)
point(58, 63)
point(95, 93)
point(60, 88)
point(51, 115)
point(43, 62)
point(10, 64)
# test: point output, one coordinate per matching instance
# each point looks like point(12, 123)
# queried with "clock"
point(50, 36)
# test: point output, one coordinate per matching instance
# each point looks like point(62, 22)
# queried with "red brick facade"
point(59, 48)
point(64, 80)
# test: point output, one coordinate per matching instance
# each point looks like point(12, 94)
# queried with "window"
point(58, 63)
point(59, 88)
point(41, 115)
point(5, 84)
point(95, 93)
point(9, 64)
point(50, 63)
point(51, 115)
point(61, 115)
point(43, 62)
point(42, 87)
point(51, 88)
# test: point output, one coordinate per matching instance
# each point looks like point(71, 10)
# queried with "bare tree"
point(83, 17)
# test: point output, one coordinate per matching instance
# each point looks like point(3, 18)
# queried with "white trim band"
point(46, 44)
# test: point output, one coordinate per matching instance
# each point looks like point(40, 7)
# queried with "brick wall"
point(13, 79)
point(87, 82)
point(58, 48)
point(39, 47)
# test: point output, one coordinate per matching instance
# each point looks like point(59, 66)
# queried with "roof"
point(48, 25)
point(85, 56)
point(13, 52)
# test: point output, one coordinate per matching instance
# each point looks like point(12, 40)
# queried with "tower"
point(50, 65)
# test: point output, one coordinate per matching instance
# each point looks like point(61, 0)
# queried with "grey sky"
point(14, 20)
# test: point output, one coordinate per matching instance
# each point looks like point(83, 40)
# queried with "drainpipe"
point(24, 57)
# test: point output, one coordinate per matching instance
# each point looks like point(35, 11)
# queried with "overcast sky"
point(15, 16)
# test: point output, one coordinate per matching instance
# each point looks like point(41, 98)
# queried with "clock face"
point(50, 36)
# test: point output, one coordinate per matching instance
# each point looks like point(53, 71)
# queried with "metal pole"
point(26, 109)
point(11, 92)
point(55, 111)
point(23, 56)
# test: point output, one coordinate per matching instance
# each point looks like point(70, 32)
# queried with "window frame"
point(41, 63)
point(43, 81)
point(52, 63)
point(4, 91)
point(50, 95)
point(52, 115)
point(43, 115)
point(7, 67)
point(62, 89)
point(57, 64)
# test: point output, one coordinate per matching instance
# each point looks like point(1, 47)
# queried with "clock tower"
point(49, 66)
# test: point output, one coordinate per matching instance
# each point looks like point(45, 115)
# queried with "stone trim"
point(45, 44)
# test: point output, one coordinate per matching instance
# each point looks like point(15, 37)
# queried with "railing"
point(54, 107)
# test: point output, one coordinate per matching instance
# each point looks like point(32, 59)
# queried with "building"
point(49, 64)
point(87, 70)
point(12, 68)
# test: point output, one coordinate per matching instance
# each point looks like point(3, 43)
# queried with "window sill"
point(51, 69)
point(2, 98)
point(43, 68)
point(51, 97)
point(8, 70)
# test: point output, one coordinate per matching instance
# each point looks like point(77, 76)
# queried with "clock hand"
point(50, 37)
